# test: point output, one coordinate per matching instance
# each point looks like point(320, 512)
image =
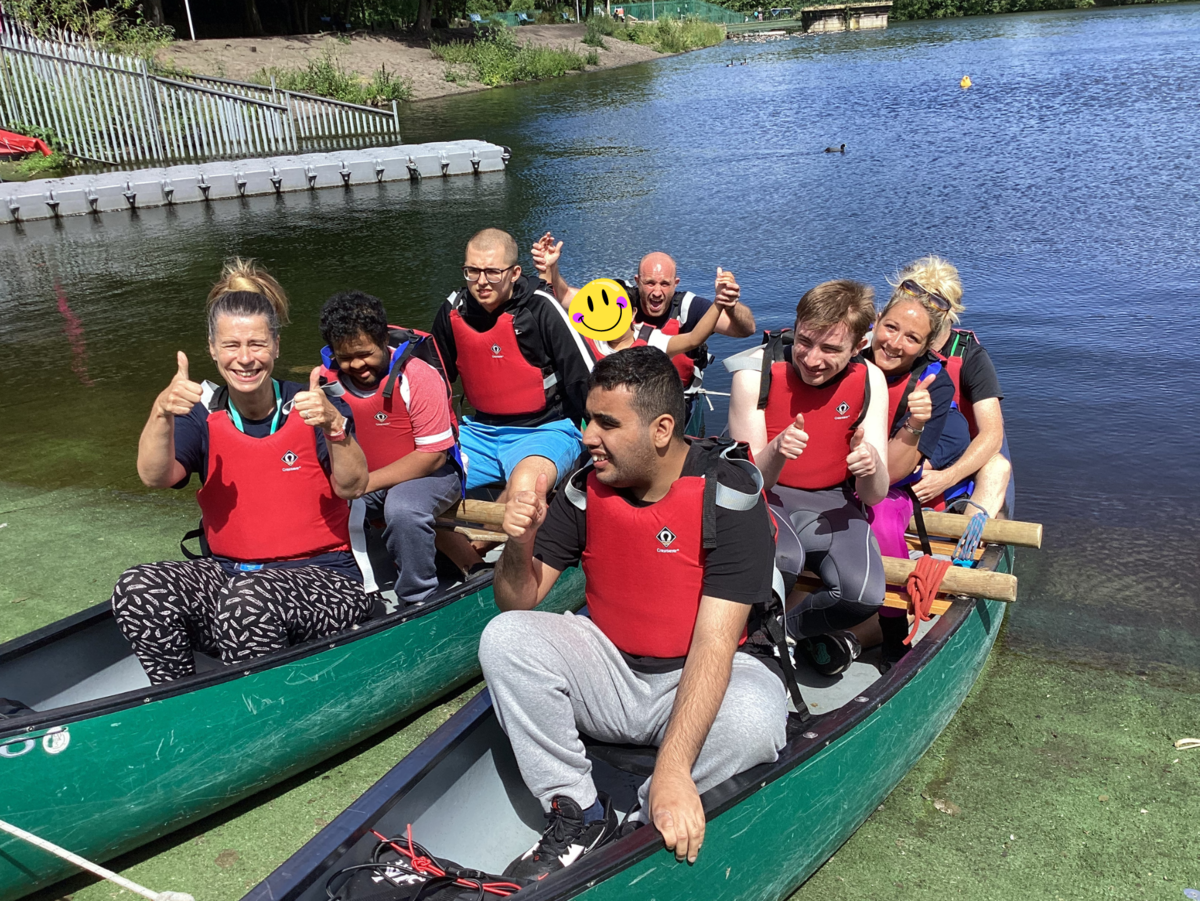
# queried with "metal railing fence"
point(110, 108)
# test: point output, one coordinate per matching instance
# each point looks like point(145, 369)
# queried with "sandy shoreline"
point(240, 58)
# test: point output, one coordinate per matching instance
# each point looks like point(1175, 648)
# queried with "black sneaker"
point(830, 654)
point(565, 840)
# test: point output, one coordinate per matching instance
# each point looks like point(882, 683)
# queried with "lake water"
point(1064, 184)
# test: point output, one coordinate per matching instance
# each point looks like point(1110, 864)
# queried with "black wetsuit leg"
point(839, 547)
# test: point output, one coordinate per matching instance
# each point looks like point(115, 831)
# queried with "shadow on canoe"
point(101, 762)
point(769, 828)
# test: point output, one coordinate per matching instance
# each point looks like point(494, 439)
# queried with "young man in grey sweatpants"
point(669, 596)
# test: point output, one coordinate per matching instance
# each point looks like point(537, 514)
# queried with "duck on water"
point(682, 542)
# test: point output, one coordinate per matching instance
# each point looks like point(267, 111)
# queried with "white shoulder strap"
point(731, 498)
point(751, 358)
point(208, 391)
point(685, 305)
point(558, 308)
point(578, 496)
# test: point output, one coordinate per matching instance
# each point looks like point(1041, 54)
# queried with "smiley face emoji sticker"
point(601, 310)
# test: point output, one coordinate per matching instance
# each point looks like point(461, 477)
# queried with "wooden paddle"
point(995, 531)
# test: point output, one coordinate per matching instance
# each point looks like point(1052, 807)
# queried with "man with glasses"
point(523, 369)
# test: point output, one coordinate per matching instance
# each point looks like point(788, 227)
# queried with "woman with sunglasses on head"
point(923, 426)
point(983, 468)
point(276, 461)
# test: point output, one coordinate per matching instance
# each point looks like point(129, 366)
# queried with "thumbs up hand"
point(920, 407)
point(178, 398)
point(525, 512)
point(861, 459)
point(315, 409)
point(792, 440)
point(727, 290)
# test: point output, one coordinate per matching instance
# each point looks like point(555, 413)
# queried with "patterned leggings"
point(167, 609)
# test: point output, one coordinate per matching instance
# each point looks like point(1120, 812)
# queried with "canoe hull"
point(102, 785)
point(771, 842)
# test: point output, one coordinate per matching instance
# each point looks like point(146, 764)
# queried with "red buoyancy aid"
point(831, 413)
point(684, 365)
point(496, 377)
point(645, 617)
point(956, 349)
point(269, 498)
point(650, 617)
point(383, 427)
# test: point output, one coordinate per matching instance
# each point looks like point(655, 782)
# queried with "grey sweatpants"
point(408, 511)
point(553, 676)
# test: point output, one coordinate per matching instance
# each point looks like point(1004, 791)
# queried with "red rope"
point(427, 867)
point(923, 584)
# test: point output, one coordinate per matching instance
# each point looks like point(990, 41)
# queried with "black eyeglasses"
point(472, 273)
point(912, 289)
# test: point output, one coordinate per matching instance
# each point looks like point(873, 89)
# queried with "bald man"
point(657, 301)
point(523, 369)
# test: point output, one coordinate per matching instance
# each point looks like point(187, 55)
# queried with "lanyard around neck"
point(236, 418)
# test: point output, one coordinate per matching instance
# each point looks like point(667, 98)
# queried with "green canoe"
point(768, 830)
point(104, 763)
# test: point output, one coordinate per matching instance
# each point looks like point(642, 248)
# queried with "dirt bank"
point(239, 58)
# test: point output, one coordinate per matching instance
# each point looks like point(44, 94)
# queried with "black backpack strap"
point(773, 625)
point(773, 352)
point(197, 532)
point(919, 516)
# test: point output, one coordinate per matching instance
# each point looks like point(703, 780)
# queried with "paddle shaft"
point(88, 865)
point(995, 531)
point(947, 525)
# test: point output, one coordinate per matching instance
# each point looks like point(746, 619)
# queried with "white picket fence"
point(109, 108)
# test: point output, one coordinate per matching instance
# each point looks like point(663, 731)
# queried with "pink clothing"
point(889, 521)
point(424, 395)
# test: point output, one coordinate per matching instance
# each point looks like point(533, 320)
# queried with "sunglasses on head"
point(912, 289)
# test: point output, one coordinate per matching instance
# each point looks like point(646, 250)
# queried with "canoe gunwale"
point(303, 869)
point(57, 716)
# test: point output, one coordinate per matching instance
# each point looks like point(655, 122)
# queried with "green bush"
point(593, 57)
point(944, 9)
point(499, 59)
point(664, 35)
point(117, 26)
point(593, 36)
point(326, 78)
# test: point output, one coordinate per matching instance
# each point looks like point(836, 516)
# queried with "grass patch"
point(664, 35)
point(593, 57)
point(326, 78)
point(498, 59)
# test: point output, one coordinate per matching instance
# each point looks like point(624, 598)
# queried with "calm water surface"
point(1064, 184)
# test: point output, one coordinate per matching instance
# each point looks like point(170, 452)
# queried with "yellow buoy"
point(966, 82)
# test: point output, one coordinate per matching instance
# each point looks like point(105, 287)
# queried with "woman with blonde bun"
point(277, 461)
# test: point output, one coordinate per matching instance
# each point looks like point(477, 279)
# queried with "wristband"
point(913, 431)
point(338, 434)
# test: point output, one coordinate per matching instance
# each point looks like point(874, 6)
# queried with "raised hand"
point(314, 407)
point(920, 406)
point(178, 398)
point(525, 512)
point(727, 290)
point(546, 253)
point(792, 440)
point(861, 459)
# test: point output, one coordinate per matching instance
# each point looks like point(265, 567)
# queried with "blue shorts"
point(492, 452)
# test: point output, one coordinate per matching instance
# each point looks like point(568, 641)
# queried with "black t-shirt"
point(738, 569)
point(546, 340)
point(978, 377)
point(191, 450)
